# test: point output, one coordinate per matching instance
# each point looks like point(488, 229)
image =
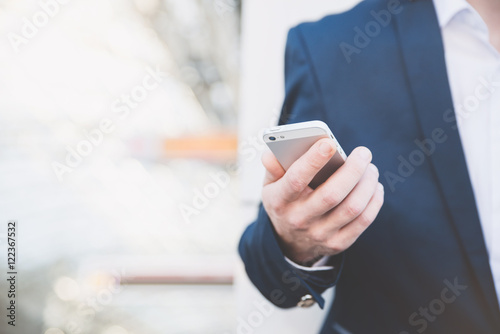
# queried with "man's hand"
point(327, 220)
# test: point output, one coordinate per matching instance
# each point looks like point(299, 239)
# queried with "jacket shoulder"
point(358, 15)
point(338, 28)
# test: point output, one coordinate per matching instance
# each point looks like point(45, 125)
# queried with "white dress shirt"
point(473, 66)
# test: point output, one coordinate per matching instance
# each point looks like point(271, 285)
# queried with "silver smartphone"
point(289, 142)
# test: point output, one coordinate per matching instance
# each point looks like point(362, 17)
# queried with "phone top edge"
point(289, 134)
point(297, 126)
point(300, 130)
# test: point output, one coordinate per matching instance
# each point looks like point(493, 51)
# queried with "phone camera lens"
point(272, 138)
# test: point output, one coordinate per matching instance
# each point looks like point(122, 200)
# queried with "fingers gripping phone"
point(289, 142)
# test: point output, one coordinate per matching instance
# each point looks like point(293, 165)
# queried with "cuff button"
point(306, 301)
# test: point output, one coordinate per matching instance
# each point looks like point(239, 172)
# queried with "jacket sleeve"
point(280, 282)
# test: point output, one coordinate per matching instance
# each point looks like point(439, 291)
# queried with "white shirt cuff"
point(317, 266)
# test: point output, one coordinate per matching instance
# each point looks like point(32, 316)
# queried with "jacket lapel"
point(422, 51)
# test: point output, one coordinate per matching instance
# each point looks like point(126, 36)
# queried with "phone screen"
point(287, 151)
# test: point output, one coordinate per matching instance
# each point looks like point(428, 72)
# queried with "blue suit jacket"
point(422, 266)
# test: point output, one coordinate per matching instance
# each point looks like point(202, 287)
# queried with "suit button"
point(306, 301)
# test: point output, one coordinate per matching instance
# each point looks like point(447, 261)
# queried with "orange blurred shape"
point(218, 146)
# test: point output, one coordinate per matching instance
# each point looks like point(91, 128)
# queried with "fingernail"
point(365, 153)
point(325, 149)
point(380, 187)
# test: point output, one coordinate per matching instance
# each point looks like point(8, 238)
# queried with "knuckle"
point(331, 199)
point(315, 161)
point(272, 206)
point(365, 220)
point(296, 222)
point(353, 208)
point(348, 242)
point(335, 246)
point(317, 235)
point(295, 183)
point(277, 207)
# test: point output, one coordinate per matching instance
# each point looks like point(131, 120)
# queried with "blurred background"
point(130, 158)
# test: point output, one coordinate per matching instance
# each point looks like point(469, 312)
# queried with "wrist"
point(311, 262)
point(297, 254)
